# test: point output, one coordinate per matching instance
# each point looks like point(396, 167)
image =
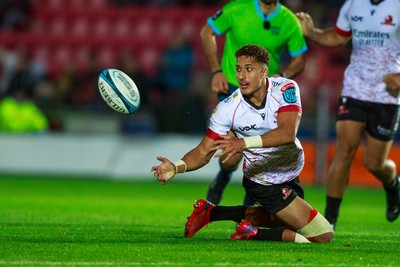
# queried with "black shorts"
point(381, 120)
point(273, 198)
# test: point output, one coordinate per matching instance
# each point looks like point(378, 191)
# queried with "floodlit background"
point(53, 120)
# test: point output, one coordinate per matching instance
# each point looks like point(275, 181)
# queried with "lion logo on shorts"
point(286, 192)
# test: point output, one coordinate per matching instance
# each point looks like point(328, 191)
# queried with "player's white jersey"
point(273, 165)
point(375, 31)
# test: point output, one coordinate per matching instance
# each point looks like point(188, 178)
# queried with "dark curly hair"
point(258, 52)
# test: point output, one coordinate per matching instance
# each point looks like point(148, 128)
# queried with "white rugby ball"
point(119, 91)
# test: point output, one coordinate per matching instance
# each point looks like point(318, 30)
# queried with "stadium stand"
point(62, 30)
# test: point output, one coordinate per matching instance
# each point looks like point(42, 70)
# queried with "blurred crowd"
point(176, 96)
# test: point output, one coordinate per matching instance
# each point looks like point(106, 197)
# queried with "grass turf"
point(87, 222)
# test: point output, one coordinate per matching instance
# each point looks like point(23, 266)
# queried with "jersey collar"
point(376, 3)
point(271, 15)
point(264, 101)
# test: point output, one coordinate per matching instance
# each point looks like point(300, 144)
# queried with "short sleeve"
point(220, 121)
point(343, 26)
point(221, 22)
point(289, 97)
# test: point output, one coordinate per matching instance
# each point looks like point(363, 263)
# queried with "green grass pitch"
point(86, 222)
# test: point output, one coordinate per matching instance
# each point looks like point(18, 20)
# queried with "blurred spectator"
point(65, 83)
point(18, 111)
point(19, 114)
point(144, 119)
point(86, 91)
point(15, 14)
point(179, 110)
point(175, 65)
point(47, 98)
point(22, 78)
point(8, 62)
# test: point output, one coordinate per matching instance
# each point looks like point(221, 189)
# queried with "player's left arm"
point(287, 126)
point(392, 81)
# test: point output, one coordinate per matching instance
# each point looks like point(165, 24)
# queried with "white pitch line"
point(217, 264)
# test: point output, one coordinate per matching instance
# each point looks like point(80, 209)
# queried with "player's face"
point(251, 76)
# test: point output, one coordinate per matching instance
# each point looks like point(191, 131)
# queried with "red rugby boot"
point(199, 218)
point(244, 231)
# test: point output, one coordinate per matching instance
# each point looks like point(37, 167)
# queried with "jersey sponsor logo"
point(231, 97)
point(388, 21)
point(371, 34)
point(371, 38)
point(357, 18)
point(287, 86)
point(227, 100)
point(289, 93)
point(396, 125)
point(275, 30)
point(343, 110)
point(275, 84)
point(384, 131)
point(248, 128)
point(286, 192)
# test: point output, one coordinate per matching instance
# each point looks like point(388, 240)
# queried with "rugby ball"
point(119, 91)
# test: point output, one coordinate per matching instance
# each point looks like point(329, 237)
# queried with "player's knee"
point(324, 238)
point(345, 154)
point(375, 166)
point(318, 229)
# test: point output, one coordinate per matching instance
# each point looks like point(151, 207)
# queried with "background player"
point(273, 156)
point(263, 22)
point(370, 97)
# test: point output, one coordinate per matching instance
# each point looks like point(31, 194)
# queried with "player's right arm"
point(324, 37)
point(200, 155)
point(219, 83)
point(193, 160)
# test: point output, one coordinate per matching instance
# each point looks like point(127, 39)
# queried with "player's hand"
point(230, 146)
point(165, 171)
point(219, 83)
point(392, 81)
point(307, 24)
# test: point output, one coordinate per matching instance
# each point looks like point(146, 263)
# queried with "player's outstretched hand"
point(307, 24)
point(165, 171)
point(230, 146)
